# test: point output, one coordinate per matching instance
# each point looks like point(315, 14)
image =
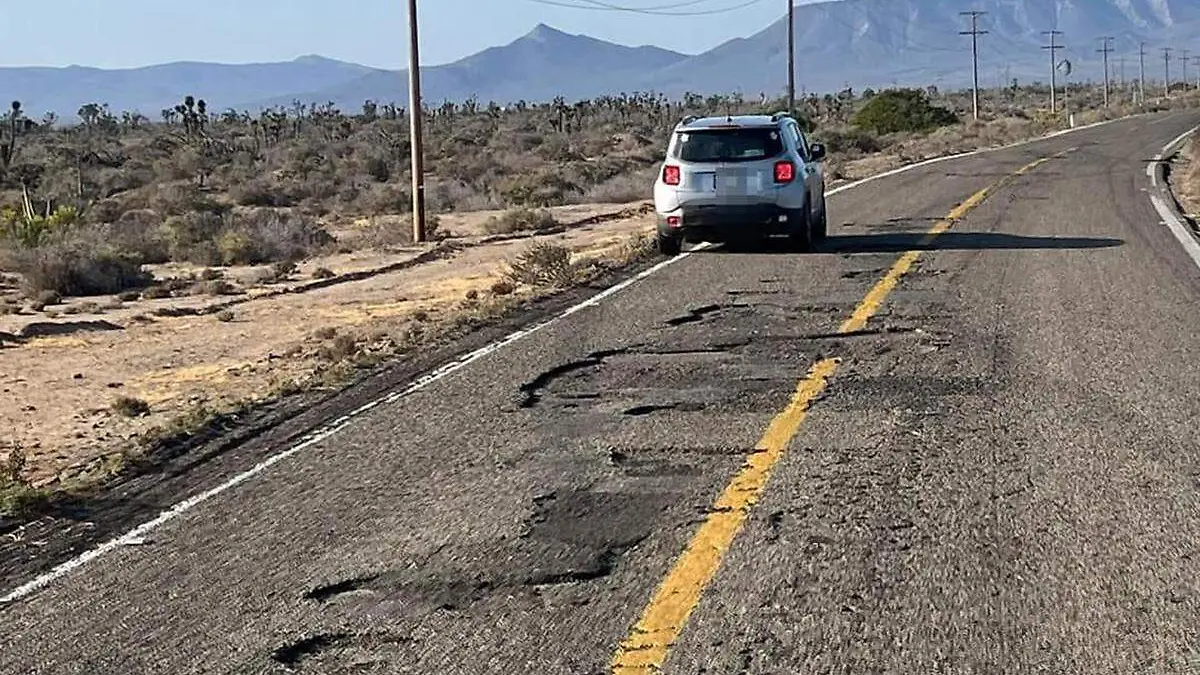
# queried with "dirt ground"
point(63, 369)
point(1185, 179)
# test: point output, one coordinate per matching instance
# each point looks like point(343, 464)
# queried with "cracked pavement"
point(1002, 476)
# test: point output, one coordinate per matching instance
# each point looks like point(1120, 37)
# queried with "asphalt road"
point(1001, 475)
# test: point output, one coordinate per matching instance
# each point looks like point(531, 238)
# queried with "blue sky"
point(126, 33)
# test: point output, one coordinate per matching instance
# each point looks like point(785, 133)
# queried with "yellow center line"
point(648, 644)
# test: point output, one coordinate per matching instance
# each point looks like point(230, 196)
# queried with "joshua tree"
point(8, 141)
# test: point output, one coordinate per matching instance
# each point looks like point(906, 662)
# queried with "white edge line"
point(136, 534)
point(1191, 245)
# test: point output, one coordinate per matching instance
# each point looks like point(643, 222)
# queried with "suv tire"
point(668, 245)
point(821, 229)
point(801, 236)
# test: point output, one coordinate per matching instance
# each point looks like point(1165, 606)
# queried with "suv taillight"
point(785, 171)
point(671, 175)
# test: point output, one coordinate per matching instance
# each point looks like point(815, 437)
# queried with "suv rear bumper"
point(725, 222)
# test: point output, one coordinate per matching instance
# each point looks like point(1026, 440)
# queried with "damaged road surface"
point(995, 468)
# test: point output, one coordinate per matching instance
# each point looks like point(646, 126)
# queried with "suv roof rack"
point(780, 115)
point(689, 119)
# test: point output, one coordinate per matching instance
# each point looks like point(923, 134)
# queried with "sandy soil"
point(62, 369)
point(1185, 179)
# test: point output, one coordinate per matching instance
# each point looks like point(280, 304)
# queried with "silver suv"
point(738, 177)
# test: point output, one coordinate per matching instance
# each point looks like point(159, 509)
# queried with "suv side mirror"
point(817, 151)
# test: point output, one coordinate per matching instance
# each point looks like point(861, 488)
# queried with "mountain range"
point(860, 43)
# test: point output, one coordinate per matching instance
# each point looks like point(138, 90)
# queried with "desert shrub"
point(261, 192)
point(127, 406)
point(383, 233)
point(849, 141)
point(104, 211)
point(193, 237)
point(183, 198)
point(628, 187)
point(44, 298)
point(214, 287)
point(77, 266)
point(455, 195)
point(897, 110)
point(384, 199)
point(544, 188)
point(503, 287)
point(279, 236)
point(543, 264)
point(520, 220)
point(378, 168)
point(141, 232)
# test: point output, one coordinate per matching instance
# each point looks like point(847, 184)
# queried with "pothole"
point(344, 651)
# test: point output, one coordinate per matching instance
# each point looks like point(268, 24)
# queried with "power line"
point(675, 5)
point(974, 33)
point(598, 5)
point(1053, 66)
point(1105, 50)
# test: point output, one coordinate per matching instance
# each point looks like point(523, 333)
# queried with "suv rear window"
point(728, 145)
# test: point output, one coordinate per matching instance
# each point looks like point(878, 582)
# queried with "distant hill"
point(862, 43)
point(880, 43)
point(152, 88)
point(541, 65)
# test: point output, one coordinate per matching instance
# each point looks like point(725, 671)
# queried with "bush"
point(79, 267)
point(383, 234)
point(627, 187)
point(127, 406)
point(277, 236)
point(543, 264)
point(193, 237)
point(262, 192)
point(850, 140)
point(182, 199)
point(902, 110)
point(141, 232)
point(520, 220)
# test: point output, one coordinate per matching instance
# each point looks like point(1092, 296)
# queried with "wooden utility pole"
point(1105, 49)
point(1166, 72)
point(791, 14)
point(415, 136)
point(974, 33)
point(1184, 60)
point(1053, 67)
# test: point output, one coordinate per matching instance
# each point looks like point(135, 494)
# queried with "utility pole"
point(1166, 72)
point(791, 56)
point(1105, 50)
point(1142, 75)
point(414, 114)
point(974, 33)
point(1053, 67)
point(1184, 60)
